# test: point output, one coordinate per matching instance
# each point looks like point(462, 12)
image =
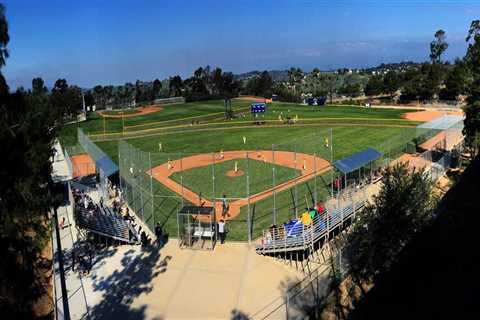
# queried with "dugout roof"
point(357, 160)
point(442, 123)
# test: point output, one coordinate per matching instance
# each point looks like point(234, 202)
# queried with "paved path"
point(75, 283)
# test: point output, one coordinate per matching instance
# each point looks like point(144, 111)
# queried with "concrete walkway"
point(170, 283)
point(75, 284)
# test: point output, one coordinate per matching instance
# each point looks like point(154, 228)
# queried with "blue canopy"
point(106, 165)
point(357, 160)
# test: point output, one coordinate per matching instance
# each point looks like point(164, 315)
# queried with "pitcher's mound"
point(233, 174)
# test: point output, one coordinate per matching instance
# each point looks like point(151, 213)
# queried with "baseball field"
point(189, 144)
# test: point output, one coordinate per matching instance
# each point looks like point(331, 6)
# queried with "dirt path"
point(140, 112)
point(308, 165)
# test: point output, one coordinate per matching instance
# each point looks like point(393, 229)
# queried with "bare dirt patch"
point(428, 115)
point(253, 99)
point(139, 112)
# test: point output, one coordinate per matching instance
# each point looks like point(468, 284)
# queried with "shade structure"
point(107, 166)
point(442, 123)
point(357, 160)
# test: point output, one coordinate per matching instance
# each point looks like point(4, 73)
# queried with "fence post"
point(181, 176)
point(315, 178)
point(274, 185)
point(331, 157)
point(249, 218)
point(296, 180)
point(213, 184)
point(151, 186)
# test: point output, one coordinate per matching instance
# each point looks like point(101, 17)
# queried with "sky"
point(92, 42)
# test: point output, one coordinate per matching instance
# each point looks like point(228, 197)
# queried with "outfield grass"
point(200, 179)
point(170, 114)
point(210, 114)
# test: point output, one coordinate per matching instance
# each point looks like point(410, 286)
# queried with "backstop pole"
point(181, 175)
point(274, 185)
point(213, 185)
point(315, 178)
point(331, 159)
point(296, 180)
point(249, 218)
point(151, 187)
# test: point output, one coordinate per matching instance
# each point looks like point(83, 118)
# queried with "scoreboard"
point(258, 107)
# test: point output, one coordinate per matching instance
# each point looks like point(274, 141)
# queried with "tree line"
point(29, 123)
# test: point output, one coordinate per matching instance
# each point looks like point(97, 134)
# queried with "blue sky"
point(93, 42)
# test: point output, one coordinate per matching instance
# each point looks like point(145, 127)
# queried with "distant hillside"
point(397, 66)
point(277, 75)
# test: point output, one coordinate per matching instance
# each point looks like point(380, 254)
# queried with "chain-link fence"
point(251, 188)
point(254, 188)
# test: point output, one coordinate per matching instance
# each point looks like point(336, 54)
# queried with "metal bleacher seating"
point(280, 239)
point(106, 223)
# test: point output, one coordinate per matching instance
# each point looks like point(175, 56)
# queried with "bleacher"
point(106, 223)
point(300, 236)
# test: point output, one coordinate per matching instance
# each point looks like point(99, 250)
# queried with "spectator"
point(158, 234)
point(224, 205)
point(62, 223)
point(221, 230)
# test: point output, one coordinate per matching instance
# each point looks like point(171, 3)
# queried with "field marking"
point(309, 166)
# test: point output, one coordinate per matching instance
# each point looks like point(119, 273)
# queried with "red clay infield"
point(308, 164)
point(82, 165)
point(140, 112)
point(428, 115)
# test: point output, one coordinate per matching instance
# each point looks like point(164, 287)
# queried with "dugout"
point(106, 170)
point(356, 169)
point(197, 227)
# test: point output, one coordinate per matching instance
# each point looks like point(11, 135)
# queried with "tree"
point(438, 46)
point(260, 85)
point(157, 86)
point(265, 85)
point(38, 86)
point(229, 86)
point(294, 76)
point(374, 86)
point(456, 81)
point(471, 128)
point(29, 126)
point(351, 89)
point(175, 86)
point(4, 37)
point(218, 80)
point(99, 96)
point(403, 206)
point(391, 83)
